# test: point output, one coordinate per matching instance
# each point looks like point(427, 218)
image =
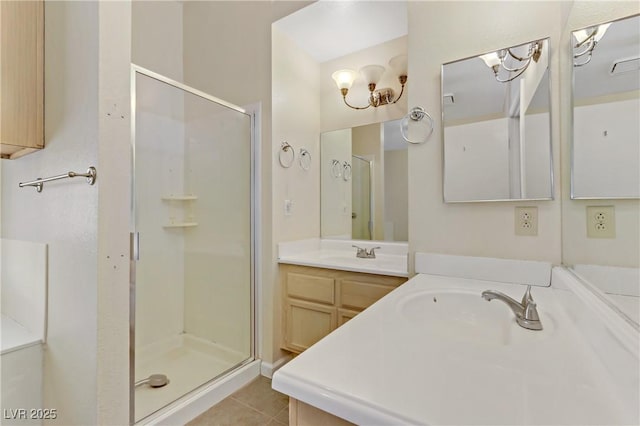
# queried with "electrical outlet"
point(288, 207)
point(601, 222)
point(526, 221)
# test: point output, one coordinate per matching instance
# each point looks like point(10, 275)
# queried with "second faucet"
point(363, 253)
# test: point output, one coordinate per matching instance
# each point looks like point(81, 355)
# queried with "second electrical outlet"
point(526, 221)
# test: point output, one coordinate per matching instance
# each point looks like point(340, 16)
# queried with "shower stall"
point(192, 292)
point(361, 194)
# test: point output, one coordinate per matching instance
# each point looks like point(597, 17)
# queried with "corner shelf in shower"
point(180, 215)
point(180, 198)
point(180, 225)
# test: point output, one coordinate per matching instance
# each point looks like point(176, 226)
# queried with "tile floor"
point(254, 405)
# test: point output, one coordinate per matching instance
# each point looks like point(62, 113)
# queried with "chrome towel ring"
point(346, 174)
point(286, 155)
point(305, 159)
point(415, 116)
point(336, 169)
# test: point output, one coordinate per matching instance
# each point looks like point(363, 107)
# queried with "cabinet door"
point(21, 77)
point(345, 315)
point(306, 323)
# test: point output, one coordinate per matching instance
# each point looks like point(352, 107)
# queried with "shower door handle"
point(134, 245)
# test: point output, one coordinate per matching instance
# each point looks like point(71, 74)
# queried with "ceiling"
point(621, 41)
point(328, 30)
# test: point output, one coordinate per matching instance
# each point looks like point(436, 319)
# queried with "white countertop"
point(391, 258)
point(385, 367)
point(15, 336)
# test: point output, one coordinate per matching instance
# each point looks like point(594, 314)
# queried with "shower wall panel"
point(218, 254)
point(159, 174)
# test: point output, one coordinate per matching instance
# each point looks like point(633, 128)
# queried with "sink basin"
point(457, 315)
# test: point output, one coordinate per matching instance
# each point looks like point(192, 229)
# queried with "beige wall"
point(65, 214)
point(486, 229)
point(624, 250)
point(156, 38)
point(466, 29)
point(87, 58)
point(114, 155)
point(397, 200)
point(227, 53)
point(296, 119)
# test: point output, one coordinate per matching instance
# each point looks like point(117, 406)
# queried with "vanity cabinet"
point(316, 301)
point(21, 77)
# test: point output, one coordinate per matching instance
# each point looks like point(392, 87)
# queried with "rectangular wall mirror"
point(364, 180)
point(606, 107)
point(497, 130)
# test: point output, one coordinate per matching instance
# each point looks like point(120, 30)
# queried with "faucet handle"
point(361, 250)
point(530, 312)
point(527, 298)
point(372, 250)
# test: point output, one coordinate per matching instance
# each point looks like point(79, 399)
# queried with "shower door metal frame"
point(254, 116)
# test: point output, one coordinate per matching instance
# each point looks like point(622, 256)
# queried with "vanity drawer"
point(311, 287)
point(360, 295)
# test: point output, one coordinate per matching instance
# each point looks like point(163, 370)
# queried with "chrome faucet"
point(363, 253)
point(525, 312)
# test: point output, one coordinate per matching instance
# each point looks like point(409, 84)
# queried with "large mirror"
point(606, 107)
point(497, 131)
point(364, 180)
point(605, 161)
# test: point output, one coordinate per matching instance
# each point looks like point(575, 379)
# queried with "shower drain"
point(154, 380)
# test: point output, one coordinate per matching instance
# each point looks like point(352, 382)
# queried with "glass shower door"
point(192, 211)
point(362, 225)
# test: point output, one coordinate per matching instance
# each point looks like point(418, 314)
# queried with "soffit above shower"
point(331, 29)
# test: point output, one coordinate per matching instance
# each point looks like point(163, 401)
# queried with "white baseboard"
point(267, 369)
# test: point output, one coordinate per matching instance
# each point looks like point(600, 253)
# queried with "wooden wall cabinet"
point(316, 301)
point(21, 77)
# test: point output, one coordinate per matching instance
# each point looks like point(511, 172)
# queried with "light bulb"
point(399, 64)
point(491, 59)
point(372, 73)
point(344, 78)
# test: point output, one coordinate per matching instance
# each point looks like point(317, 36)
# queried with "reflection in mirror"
point(497, 132)
point(364, 192)
point(618, 286)
point(606, 107)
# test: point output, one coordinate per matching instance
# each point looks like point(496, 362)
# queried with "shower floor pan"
point(188, 362)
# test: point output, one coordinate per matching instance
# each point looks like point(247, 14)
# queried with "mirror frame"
point(551, 162)
point(572, 118)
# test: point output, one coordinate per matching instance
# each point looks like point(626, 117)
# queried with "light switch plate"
point(601, 222)
point(288, 207)
point(526, 221)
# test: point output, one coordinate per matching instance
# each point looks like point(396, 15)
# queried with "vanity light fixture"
point(586, 41)
point(498, 60)
point(372, 73)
